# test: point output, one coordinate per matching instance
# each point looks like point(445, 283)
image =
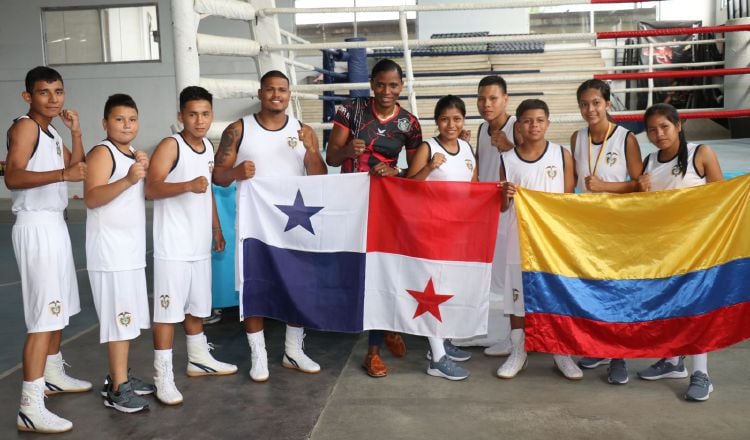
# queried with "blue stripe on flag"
point(318, 290)
point(625, 301)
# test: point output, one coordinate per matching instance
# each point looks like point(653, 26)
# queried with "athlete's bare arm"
point(224, 170)
point(71, 120)
point(313, 161)
point(97, 191)
point(341, 148)
point(162, 161)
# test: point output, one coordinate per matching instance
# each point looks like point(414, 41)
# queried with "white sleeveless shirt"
point(667, 175)
point(48, 155)
point(116, 232)
point(274, 152)
point(612, 163)
point(457, 167)
point(489, 157)
point(182, 224)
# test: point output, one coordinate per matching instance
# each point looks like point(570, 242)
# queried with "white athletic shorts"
point(48, 274)
point(121, 303)
point(181, 288)
point(513, 301)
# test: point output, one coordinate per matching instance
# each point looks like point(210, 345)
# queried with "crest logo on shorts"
point(469, 165)
point(551, 171)
point(291, 141)
point(611, 158)
point(164, 301)
point(125, 318)
point(676, 170)
point(516, 293)
point(55, 307)
point(210, 166)
point(404, 124)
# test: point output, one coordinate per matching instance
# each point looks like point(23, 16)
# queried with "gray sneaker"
point(589, 363)
point(139, 386)
point(448, 369)
point(125, 400)
point(453, 352)
point(664, 370)
point(700, 387)
point(617, 373)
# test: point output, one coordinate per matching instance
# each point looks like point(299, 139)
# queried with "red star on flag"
point(429, 301)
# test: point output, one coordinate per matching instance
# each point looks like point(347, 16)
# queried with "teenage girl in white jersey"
point(607, 159)
point(446, 157)
point(677, 164)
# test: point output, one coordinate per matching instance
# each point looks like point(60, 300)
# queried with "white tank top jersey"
point(667, 175)
point(458, 167)
point(277, 153)
point(182, 224)
point(116, 232)
point(544, 174)
point(48, 155)
point(610, 164)
point(489, 157)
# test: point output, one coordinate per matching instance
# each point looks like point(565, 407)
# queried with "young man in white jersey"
point(116, 248)
point(185, 224)
point(38, 165)
point(270, 143)
point(498, 133)
point(538, 165)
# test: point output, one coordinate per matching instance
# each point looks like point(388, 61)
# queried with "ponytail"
point(682, 154)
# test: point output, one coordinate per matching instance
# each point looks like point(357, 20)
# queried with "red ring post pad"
point(672, 31)
point(686, 114)
point(673, 74)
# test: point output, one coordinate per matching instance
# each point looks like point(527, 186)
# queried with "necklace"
point(592, 171)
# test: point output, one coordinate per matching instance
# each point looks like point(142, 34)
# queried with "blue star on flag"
point(299, 214)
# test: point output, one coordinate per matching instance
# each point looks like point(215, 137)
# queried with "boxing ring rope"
point(193, 44)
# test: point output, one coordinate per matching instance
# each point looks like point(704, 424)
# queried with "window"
point(101, 34)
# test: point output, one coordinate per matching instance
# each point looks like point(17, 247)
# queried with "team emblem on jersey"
point(125, 318)
point(59, 149)
point(676, 170)
point(291, 141)
point(469, 165)
point(210, 166)
point(55, 307)
point(516, 294)
point(381, 131)
point(404, 124)
point(611, 158)
point(164, 301)
point(551, 171)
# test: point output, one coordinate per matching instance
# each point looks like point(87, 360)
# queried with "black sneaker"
point(140, 387)
point(125, 400)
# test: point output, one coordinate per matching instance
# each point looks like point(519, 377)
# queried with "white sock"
point(255, 337)
point(195, 338)
point(700, 363)
point(55, 357)
point(163, 355)
point(516, 337)
point(36, 382)
point(673, 360)
point(437, 348)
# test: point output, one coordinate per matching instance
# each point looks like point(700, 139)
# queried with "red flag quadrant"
point(637, 275)
point(430, 247)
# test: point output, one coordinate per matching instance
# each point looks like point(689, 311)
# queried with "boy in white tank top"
point(185, 225)
point(268, 148)
point(542, 166)
point(116, 248)
point(38, 165)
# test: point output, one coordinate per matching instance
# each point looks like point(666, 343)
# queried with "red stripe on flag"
point(711, 331)
point(454, 221)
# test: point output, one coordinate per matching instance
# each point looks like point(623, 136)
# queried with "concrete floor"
point(343, 403)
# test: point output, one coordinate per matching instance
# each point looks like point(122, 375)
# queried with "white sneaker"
point(516, 362)
point(294, 355)
point(33, 416)
point(567, 367)
point(258, 357)
point(201, 363)
point(57, 381)
point(166, 390)
point(501, 348)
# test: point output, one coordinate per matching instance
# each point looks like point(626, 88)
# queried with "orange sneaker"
point(395, 344)
point(374, 366)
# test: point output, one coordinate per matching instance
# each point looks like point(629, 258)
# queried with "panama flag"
point(352, 252)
